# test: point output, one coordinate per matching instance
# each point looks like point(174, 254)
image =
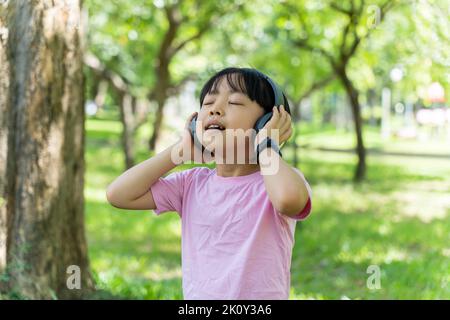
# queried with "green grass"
point(314, 136)
point(397, 219)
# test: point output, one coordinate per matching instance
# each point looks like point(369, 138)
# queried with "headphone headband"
point(279, 97)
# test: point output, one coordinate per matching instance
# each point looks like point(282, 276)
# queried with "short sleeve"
point(168, 192)
point(304, 213)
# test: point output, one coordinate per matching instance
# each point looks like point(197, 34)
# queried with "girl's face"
point(232, 110)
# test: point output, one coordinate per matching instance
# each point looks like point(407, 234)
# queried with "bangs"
point(242, 80)
point(235, 81)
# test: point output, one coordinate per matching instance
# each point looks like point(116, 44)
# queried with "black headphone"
point(279, 97)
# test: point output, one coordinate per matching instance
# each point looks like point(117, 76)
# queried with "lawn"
point(397, 220)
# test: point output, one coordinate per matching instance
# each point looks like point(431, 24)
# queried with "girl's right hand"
point(186, 142)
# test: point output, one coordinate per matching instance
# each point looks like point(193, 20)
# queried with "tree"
point(315, 32)
point(132, 115)
point(144, 57)
point(42, 235)
point(422, 57)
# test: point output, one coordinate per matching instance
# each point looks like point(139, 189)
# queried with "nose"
point(216, 110)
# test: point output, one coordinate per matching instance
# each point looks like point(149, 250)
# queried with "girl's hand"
point(281, 121)
point(186, 146)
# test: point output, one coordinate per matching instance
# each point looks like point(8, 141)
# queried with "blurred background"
point(368, 84)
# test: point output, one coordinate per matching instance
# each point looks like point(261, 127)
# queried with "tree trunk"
point(100, 94)
point(352, 94)
point(4, 95)
point(42, 221)
point(126, 117)
point(156, 126)
point(296, 119)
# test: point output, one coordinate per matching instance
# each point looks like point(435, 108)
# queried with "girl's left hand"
point(281, 121)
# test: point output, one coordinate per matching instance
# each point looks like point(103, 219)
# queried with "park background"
point(88, 89)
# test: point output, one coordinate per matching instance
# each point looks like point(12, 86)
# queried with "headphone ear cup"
point(192, 126)
point(261, 122)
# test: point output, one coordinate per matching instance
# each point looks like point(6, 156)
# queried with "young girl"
point(238, 220)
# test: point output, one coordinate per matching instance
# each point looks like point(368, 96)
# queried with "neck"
point(235, 170)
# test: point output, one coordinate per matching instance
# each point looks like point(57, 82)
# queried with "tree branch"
point(346, 54)
point(173, 50)
point(340, 9)
point(174, 20)
point(175, 88)
point(303, 44)
point(92, 62)
point(317, 85)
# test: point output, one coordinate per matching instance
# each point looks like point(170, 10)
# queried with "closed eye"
point(236, 103)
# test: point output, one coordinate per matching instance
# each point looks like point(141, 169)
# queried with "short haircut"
point(243, 80)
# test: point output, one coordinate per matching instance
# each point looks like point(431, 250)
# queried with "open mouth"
point(215, 127)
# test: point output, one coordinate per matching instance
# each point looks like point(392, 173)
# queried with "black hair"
point(243, 80)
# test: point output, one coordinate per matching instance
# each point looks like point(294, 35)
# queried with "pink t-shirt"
point(235, 245)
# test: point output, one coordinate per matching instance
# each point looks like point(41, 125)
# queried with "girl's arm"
point(285, 186)
point(131, 190)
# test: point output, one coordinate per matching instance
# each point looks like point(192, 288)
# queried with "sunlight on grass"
point(367, 253)
point(103, 126)
point(97, 195)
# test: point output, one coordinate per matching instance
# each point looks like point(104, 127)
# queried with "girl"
point(238, 220)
